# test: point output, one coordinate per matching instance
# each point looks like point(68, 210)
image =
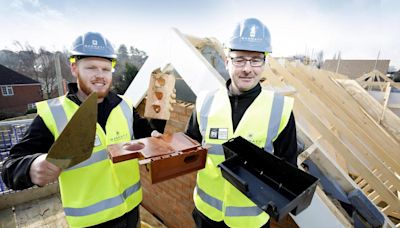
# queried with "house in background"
point(18, 92)
point(355, 68)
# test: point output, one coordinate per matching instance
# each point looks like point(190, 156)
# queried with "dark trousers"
point(130, 219)
point(202, 221)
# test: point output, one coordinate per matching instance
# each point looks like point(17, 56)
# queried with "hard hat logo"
point(253, 32)
point(93, 44)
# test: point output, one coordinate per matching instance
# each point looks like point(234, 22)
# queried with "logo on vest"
point(251, 137)
point(118, 137)
point(219, 133)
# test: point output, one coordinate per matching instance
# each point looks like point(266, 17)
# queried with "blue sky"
point(359, 29)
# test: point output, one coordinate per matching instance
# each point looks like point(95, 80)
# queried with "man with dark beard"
point(95, 192)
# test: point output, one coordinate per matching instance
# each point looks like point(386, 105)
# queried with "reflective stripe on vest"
point(103, 205)
point(210, 200)
point(204, 111)
point(58, 113)
point(128, 113)
point(273, 128)
point(95, 157)
point(242, 211)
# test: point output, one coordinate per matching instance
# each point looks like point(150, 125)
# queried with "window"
point(31, 106)
point(7, 90)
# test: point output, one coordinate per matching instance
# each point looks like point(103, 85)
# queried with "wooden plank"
point(363, 130)
point(395, 215)
point(309, 119)
point(372, 194)
point(385, 101)
point(372, 146)
point(346, 129)
point(387, 79)
point(363, 78)
point(306, 154)
point(390, 121)
point(272, 79)
point(376, 78)
point(338, 76)
point(378, 84)
point(358, 179)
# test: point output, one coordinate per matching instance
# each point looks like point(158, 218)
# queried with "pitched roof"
point(10, 77)
point(355, 68)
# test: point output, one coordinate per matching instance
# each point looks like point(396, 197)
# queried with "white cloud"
point(31, 22)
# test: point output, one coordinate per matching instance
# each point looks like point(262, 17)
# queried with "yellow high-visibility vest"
point(261, 124)
point(96, 190)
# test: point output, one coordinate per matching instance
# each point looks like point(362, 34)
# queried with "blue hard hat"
point(93, 44)
point(250, 35)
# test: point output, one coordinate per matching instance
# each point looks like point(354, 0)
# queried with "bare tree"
point(45, 66)
point(38, 65)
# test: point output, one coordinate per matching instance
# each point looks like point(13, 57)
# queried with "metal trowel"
point(76, 141)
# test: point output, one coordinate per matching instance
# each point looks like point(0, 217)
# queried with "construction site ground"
point(48, 212)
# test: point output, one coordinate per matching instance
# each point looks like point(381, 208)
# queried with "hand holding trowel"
point(75, 143)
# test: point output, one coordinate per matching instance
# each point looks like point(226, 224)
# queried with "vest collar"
point(250, 93)
point(112, 98)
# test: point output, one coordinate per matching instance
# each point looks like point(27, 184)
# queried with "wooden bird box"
point(161, 87)
point(165, 157)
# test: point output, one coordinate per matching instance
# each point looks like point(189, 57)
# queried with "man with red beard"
point(243, 109)
point(95, 192)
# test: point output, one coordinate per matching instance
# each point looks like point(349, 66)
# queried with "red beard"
point(85, 87)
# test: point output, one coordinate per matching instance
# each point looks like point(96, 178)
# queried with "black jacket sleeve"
point(193, 128)
point(285, 146)
point(36, 141)
point(142, 127)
